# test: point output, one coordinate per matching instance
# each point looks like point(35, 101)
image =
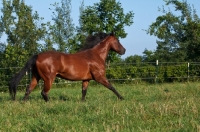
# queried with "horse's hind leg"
point(34, 81)
point(47, 86)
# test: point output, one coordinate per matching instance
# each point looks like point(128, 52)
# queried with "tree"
point(105, 16)
point(63, 29)
point(178, 35)
point(192, 40)
point(2, 45)
point(148, 56)
point(136, 59)
point(80, 36)
point(23, 30)
point(1, 28)
point(48, 39)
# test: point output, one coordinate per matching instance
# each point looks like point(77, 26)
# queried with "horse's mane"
point(93, 40)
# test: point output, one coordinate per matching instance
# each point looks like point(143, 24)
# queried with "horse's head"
point(110, 40)
point(115, 45)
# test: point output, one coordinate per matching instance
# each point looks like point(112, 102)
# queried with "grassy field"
point(160, 107)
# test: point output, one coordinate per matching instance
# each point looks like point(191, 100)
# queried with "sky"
point(145, 13)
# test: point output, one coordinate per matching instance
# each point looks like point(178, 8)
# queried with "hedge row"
point(124, 74)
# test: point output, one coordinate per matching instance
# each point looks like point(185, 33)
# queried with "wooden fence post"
point(156, 71)
point(188, 71)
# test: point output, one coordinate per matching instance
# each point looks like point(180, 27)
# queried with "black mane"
point(93, 40)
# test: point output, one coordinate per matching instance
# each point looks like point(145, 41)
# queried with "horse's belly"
point(75, 75)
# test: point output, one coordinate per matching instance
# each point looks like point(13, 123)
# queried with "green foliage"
point(1, 28)
point(107, 16)
point(148, 56)
point(23, 30)
point(48, 39)
point(133, 59)
point(178, 35)
point(63, 29)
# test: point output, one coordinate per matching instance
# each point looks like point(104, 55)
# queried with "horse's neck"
point(102, 49)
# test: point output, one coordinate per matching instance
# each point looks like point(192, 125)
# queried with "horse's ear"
point(112, 33)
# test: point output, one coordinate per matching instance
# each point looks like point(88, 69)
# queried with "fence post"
point(156, 71)
point(188, 71)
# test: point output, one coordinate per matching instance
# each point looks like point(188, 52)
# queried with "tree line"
point(178, 36)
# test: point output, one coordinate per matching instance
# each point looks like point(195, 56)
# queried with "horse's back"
point(49, 58)
point(67, 66)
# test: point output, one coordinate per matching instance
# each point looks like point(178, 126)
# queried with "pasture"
point(155, 107)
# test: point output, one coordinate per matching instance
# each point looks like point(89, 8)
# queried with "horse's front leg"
point(84, 89)
point(104, 81)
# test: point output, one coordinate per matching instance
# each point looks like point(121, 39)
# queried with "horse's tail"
point(16, 79)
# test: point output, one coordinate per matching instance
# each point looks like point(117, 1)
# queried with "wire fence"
point(156, 72)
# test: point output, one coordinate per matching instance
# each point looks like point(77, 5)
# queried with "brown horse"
point(85, 65)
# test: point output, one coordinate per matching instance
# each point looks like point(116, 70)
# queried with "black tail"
point(16, 79)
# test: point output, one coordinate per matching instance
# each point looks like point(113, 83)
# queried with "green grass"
point(161, 107)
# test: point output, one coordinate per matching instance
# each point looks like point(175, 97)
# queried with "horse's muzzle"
point(122, 51)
